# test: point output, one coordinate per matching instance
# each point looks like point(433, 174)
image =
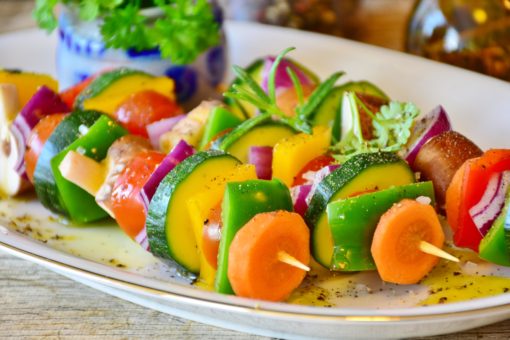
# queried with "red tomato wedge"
point(70, 94)
point(211, 236)
point(39, 135)
point(143, 108)
point(459, 200)
point(126, 202)
point(314, 165)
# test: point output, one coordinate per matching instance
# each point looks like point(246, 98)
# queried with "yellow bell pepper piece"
point(27, 83)
point(293, 153)
point(110, 99)
point(199, 208)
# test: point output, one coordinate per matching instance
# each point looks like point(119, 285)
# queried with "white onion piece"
point(262, 158)
point(433, 123)
point(490, 205)
point(299, 194)
point(157, 129)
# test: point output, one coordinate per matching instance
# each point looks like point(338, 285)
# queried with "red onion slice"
point(319, 176)
point(262, 158)
point(282, 78)
point(490, 205)
point(157, 129)
point(299, 196)
point(432, 124)
point(179, 153)
point(44, 102)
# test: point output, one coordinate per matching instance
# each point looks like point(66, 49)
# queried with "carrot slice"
point(395, 246)
point(254, 269)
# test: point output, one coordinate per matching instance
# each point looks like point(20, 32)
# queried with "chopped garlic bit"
point(423, 200)
point(83, 129)
point(81, 150)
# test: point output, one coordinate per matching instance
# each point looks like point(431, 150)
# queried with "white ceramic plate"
point(479, 108)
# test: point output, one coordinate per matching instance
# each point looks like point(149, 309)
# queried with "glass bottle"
point(473, 34)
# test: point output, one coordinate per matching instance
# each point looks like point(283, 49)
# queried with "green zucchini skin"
point(370, 171)
point(156, 222)
point(99, 84)
point(63, 135)
point(343, 175)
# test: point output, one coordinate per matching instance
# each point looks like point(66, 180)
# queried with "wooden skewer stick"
point(285, 257)
point(431, 249)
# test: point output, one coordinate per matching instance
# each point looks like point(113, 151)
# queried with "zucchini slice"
point(169, 225)
point(257, 131)
point(65, 133)
point(362, 173)
point(108, 90)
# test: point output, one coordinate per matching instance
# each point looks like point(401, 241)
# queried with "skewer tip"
point(431, 249)
point(285, 257)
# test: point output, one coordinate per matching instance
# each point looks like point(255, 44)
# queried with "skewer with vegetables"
point(215, 190)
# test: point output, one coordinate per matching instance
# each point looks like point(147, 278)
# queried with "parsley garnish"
point(182, 29)
point(392, 128)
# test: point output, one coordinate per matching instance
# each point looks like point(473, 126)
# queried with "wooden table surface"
point(37, 303)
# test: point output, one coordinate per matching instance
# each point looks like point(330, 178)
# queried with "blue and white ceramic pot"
point(81, 52)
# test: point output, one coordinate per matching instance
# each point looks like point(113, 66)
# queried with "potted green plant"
point(180, 38)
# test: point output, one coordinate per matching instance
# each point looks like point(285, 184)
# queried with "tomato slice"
point(38, 136)
point(126, 202)
point(70, 94)
point(143, 108)
point(314, 165)
point(211, 236)
point(476, 178)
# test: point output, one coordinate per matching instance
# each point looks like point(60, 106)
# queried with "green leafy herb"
point(181, 29)
point(392, 128)
point(247, 89)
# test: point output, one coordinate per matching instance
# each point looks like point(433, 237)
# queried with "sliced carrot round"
point(395, 246)
point(254, 268)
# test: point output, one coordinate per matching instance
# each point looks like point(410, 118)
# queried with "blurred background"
point(474, 34)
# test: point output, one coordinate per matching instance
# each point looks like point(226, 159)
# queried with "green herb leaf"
point(44, 14)
point(182, 32)
point(392, 128)
point(319, 94)
point(124, 24)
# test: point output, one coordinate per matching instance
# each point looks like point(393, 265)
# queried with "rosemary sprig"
point(247, 89)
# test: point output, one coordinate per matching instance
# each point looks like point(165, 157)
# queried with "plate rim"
point(493, 305)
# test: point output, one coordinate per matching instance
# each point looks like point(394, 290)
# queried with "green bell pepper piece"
point(495, 247)
point(353, 222)
point(81, 207)
point(241, 202)
point(219, 120)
